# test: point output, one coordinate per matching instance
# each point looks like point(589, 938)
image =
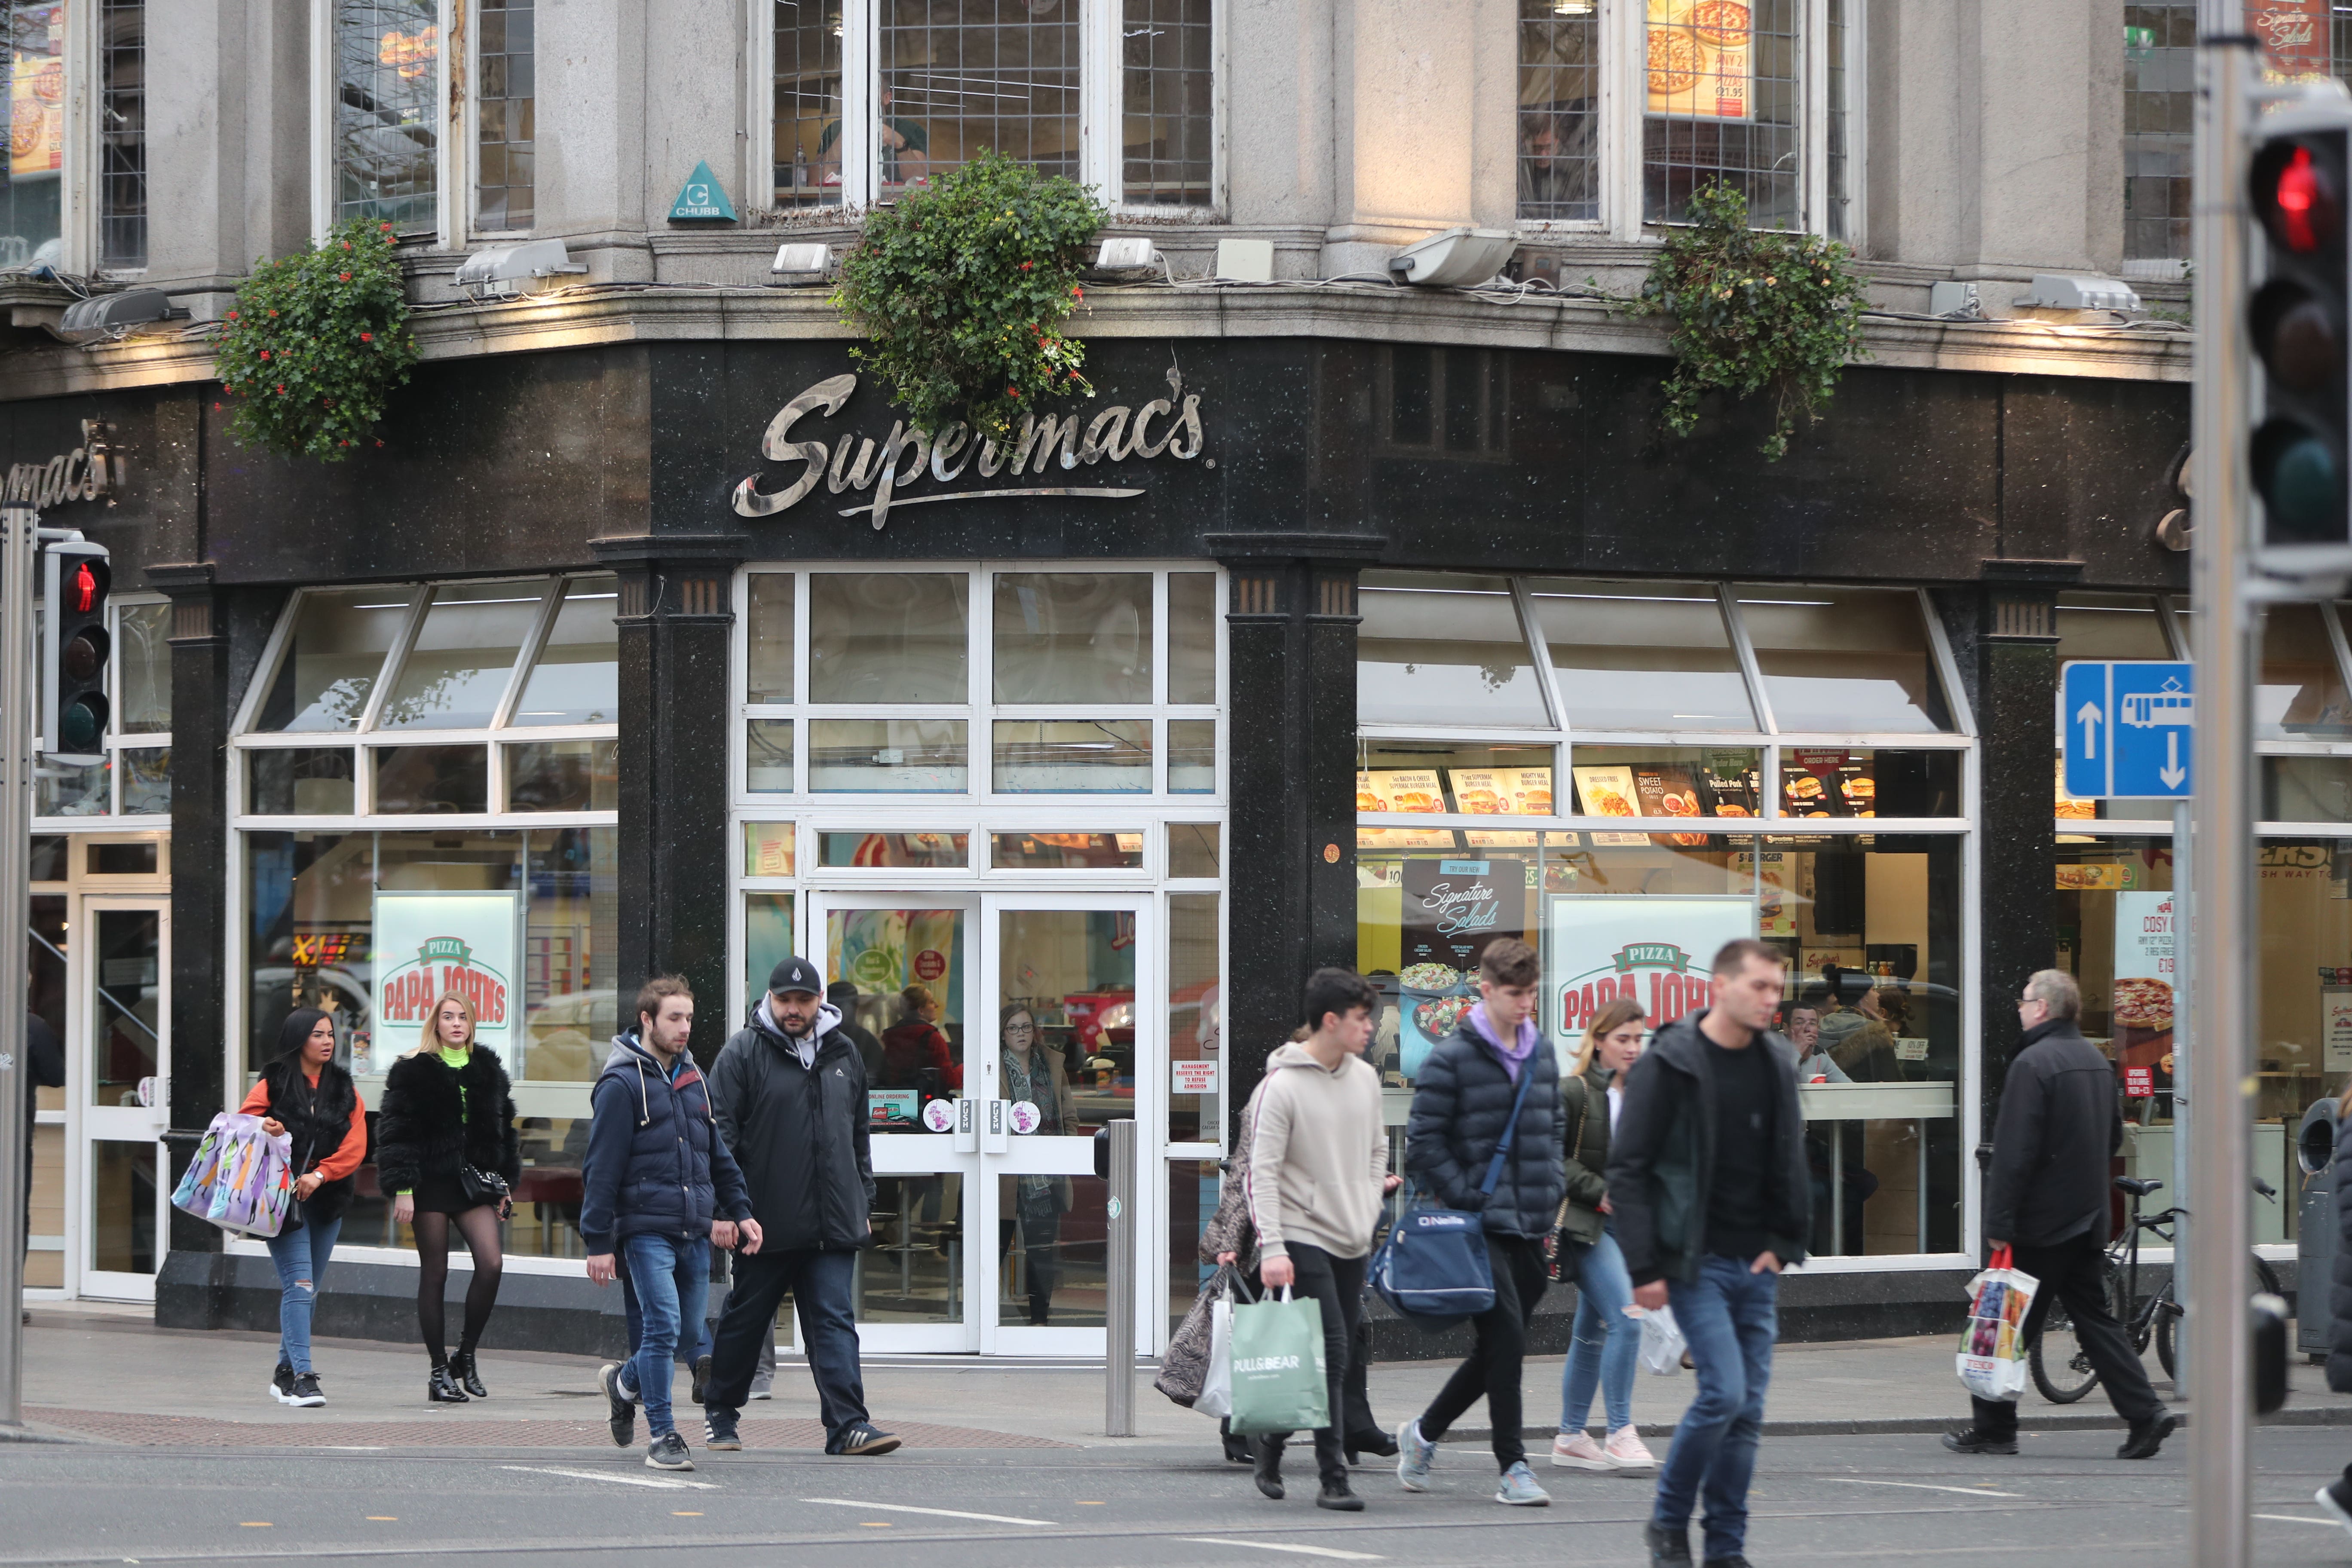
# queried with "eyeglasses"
point(1020, 1028)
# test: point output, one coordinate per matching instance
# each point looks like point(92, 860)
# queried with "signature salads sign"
point(1166, 427)
point(427, 944)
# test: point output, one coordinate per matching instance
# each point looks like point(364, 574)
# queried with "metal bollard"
point(1119, 1268)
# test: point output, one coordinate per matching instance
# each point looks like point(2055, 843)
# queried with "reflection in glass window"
point(1191, 637)
point(387, 96)
point(464, 657)
point(332, 659)
point(1073, 756)
point(2299, 694)
point(880, 850)
point(432, 780)
point(142, 657)
point(1647, 656)
point(31, 204)
point(288, 781)
point(767, 938)
point(1027, 851)
point(123, 134)
point(504, 103)
point(564, 775)
point(1195, 1017)
point(1843, 659)
point(1721, 102)
point(146, 780)
point(2160, 132)
point(1073, 637)
point(577, 678)
point(887, 636)
point(61, 789)
point(1559, 110)
point(2110, 626)
point(1442, 650)
point(957, 76)
point(768, 756)
point(1192, 756)
point(808, 103)
point(768, 637)
point(922, 756)
point(1169, 103)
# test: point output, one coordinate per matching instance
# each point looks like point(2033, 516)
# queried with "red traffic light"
point(2297, 195)
point(84, 590)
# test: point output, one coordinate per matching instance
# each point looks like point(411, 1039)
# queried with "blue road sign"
point(2126, 728)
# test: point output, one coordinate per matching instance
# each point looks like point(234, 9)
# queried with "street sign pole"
point(18, 550)
point(2184, 1002)
point(2220, 1371)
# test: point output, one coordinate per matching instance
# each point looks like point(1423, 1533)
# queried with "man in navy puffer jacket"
point(658, 1189)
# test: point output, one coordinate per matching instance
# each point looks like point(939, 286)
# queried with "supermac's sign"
point(1165, 427)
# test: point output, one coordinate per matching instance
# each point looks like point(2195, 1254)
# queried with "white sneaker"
point(1578, 1451)
point(1626, 1451)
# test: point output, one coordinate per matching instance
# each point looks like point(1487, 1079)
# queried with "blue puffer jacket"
point(2339, 1294)
point(656, 1162)
point(1461, 1103)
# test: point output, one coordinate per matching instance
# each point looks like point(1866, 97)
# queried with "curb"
point(36, 1435)
point(2055, 1421)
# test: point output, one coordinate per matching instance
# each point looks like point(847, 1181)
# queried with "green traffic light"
point(81, 728)
point(2301, 482)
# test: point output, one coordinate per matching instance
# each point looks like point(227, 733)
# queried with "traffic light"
point(2298, 322)
point(75, 649)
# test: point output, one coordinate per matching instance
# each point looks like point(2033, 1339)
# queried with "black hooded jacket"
point(801, 1134)
point(428, 1127)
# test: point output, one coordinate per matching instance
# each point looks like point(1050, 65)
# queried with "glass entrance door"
point(123, 1071)
point(1003, 1030)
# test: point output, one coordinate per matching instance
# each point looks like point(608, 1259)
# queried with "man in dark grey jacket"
point(2046, 1200)
point(789, 1094)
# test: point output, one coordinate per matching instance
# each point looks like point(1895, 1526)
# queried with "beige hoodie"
point(1318, 1155)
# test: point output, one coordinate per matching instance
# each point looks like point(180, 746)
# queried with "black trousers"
point(2074, 1272)
point(1336, 1285)
point(1493, 1369)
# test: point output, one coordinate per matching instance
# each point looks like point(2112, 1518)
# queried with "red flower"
point(281, 389)
point(273, 313)
point(1078, 291)
point(367, 337)
point(347, 244)
point(379, 441)
point(385, 227)
point(216, 407)
point(1027, 265)
point(1012, 392)
point(265, 353)
point(232, 315)
point(342, 277)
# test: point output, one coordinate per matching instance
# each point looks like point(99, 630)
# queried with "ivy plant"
point(315, 344)
point(1753, 311)
point(960, 291)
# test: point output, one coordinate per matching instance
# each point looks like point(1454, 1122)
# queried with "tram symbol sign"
point(2126, 727)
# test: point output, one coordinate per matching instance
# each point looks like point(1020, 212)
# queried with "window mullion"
point(1813, 134)
point(1099, 95)
point(453, 168)
point(534, 643)
point(394, 658)
point(1622, 57)
point(859, 20)
point(1750, 668)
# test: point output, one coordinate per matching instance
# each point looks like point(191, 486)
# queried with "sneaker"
point(1626, 1450)
point(1668, 1548)
point(2334, 1506)
point(763, 1388)
point(1413, 1457)
point(701, 1377)
point(1520, 1489)
point(2148, 1436)
point(667, 1452)
point(1338, 1497)
point(865, 1437)
point(1977, 1440)
point(306, 1395)
point(1578, 1451)
point(718, 1427)
point(620, 1404)
point(281, 1383)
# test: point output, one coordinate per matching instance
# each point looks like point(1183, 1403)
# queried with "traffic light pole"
point(19, 549)
point(2220, 1369)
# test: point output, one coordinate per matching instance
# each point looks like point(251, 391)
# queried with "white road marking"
point(616, 1478)
point(2298, 1518)
point(936, 1512)
point(1921, 1486)
point(1284, 1546)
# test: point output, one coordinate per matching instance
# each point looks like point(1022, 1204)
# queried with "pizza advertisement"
point(1402, 790)
point(1699, 59)
point(36, 108)
point(1605, 792)
point(2144, 973)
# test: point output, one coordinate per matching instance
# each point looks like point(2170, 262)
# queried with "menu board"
point(1405, 838)
point(1605, 791)
point(1479, 792)
point(1732, 784)
point(1403, 789)
point(1827, 784)
point(1454, 907)
point(1528, 789)
point(2143, 978)
point(1699, 58)
point(1776, 911)
point(1668, 792)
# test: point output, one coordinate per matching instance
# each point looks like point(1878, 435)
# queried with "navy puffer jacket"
point(656, 1162)
point(2339, 1295)
point(1461, 1103)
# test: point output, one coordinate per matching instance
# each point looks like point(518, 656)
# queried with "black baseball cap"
point(795, 974)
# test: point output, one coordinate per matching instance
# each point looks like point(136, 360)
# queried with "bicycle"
point(2062, 1369)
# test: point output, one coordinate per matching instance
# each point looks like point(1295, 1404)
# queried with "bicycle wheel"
point(2167, 1317)
point(2061, 1367)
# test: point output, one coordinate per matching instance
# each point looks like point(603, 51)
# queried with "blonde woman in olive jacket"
point(1605, 1345)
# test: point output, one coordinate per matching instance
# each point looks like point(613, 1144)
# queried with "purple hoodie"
point(1510, 1056)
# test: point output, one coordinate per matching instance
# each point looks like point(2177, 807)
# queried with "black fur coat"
point(428, 1127)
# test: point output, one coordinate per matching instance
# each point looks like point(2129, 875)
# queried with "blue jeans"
point(1605, 1347)
point(671, 1278)
point(301, 1259)
point(1729, 1317)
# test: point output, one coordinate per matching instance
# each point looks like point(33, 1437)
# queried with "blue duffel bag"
point(1433, 1268)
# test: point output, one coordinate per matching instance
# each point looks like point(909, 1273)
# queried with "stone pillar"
point(1291, 849)
point(676, 621)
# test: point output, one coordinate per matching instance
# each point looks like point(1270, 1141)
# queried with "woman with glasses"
point(1033, 1075)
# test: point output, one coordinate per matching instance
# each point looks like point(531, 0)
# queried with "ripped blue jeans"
point(302, 1256)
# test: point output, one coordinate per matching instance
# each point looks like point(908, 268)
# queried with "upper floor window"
point(431, 121)
point(1750, 92)
point(73, 192)
point(872, 98)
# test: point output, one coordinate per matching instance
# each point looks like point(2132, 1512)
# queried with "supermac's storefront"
point(1066, 763)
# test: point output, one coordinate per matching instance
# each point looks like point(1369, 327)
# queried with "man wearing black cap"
point(790, 1093)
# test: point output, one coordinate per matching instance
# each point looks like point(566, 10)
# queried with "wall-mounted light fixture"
point(1454, 260)
point(504, 271)
point(119, 313)
point(796, 266)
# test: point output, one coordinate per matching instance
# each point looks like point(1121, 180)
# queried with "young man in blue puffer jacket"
point(660, 1189)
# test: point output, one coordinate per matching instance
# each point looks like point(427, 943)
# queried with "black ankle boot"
point(462, 1370)
point(1269, 1466)
point(442, 1389)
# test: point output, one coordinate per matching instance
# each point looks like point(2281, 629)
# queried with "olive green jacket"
point(1584, 1119)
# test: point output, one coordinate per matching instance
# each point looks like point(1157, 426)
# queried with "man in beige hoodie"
point(1318, 1170)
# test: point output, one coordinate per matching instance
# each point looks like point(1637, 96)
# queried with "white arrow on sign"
point(2172, 772)
point(2090, 716)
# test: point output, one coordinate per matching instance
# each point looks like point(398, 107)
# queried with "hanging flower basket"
point(315, 344)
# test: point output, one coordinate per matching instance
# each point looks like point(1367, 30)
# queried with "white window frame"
point(1623, 26)
point(1101, 104)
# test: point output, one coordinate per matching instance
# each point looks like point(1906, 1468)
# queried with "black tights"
point(479, 1226)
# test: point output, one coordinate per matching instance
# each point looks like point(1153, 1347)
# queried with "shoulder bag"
point(1433, 1268)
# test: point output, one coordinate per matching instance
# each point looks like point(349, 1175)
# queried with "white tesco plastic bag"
point(1662, 1341)
point(1216, 1398)
point(1992, 1344)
